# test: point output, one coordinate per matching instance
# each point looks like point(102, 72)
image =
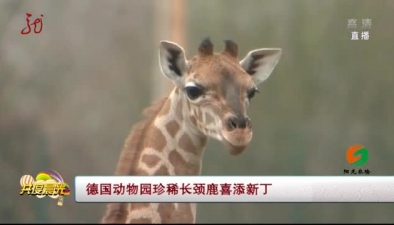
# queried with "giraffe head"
point(217, 89)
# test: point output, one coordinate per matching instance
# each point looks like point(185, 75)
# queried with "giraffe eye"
point(193, 92)
point(252, 92)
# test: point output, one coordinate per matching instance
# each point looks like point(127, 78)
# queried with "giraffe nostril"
point(238, 122)
point(232, 123)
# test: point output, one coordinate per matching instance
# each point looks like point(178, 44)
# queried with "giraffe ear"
point(172, 60)
point(260, 63)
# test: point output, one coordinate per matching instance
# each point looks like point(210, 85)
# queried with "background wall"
point(69, 95)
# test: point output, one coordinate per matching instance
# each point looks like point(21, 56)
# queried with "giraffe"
point(211, 94)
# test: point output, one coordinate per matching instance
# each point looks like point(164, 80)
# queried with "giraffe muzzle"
point(237, 133)
point(240, 122)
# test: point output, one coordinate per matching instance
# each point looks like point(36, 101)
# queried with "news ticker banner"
point(234, 189)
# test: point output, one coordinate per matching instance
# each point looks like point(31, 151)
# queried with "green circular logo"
point(357, 155)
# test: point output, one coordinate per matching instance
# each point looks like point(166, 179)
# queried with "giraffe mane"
point(117, 212)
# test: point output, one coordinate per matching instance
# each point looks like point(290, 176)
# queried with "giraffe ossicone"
point(210, 100)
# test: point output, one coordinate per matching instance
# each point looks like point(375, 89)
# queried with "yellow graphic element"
point(47, 183)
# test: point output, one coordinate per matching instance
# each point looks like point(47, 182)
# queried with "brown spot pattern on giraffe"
point(182, 167)
point(157, 141)
point(186, 143)
point(172, 128)
point(193, 120)
point(163, 170)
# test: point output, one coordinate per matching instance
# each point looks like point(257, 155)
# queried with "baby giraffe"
point(210, 99)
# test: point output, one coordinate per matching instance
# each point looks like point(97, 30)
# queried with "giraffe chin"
point(236, 141)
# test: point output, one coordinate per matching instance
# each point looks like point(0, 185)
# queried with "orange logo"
point(357, 155)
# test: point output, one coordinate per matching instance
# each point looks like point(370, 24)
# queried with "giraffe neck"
point(172, 145)
point(164, 144)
